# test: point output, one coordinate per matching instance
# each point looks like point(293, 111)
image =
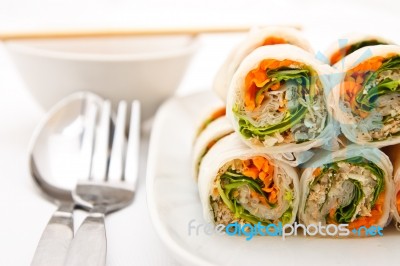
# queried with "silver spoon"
point(58, 159)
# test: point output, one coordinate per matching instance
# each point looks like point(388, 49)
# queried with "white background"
point(132, 240)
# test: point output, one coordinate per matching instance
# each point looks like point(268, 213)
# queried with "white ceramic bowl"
point(145, 68)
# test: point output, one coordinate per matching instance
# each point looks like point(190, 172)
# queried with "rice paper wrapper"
point(282, 52)
point(226, 150)
point(205, 113)
point(216, 130)
point(325, 157)
point(394, 154)
point(348, 40)
point(254, 39)
point(347, 121)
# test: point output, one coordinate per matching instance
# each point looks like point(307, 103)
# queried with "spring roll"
point(394, 154)
point(367, 97)
point(351, 43)
point(277, 99)
point(238, 184)
point(210, 135)
point(256, 38)
point(211, 117)
point(351, 186)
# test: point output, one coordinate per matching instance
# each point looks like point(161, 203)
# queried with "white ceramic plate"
point(173, 202)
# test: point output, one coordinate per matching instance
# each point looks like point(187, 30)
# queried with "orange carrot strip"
point(257, 78)
point(251, 172)
point(398, 202)
point(273, 40)
point(259, 162)
point(262, 175)
point(218, 113)
point(317, 172)
point(266, 166)
point(339, 54)
point(376, 214)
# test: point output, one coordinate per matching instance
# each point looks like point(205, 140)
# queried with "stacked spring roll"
point(277, 99)
point(351, 186)
point(238, 184)
point(351, 43)
point(214, 115)
point(209, 136)
point(367, 98)
point(394, 154)
point(256, 38)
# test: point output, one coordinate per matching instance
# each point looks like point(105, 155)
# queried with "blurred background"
point(322, 21)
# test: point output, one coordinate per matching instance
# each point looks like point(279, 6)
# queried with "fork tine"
point(132, 153)
point(100, 154)
point(117, 158)
point(88, 139)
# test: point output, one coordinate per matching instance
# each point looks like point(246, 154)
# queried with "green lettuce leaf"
point(248, 130)
point(231, 181)
point(360, 45)
point(286, 216)
point(366, 101)
point(305, 78)
point(345, 213)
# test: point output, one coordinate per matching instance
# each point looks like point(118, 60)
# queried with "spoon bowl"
point(56, 147)
point(58, 159)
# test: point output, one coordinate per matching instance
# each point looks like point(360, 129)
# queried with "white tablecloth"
point(132, 239)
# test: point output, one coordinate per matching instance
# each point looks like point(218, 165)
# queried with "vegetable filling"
point(220, 112)
point(341, 53)
point(371, 94)
point(252, 191)
point(283, 102)
point(398, 202)
point(350, 191)
point(207, 149)
point(273, 40)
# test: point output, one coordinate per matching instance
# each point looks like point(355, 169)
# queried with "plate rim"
point(181, 254)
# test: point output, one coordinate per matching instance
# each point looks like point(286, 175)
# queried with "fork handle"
point(89, 247)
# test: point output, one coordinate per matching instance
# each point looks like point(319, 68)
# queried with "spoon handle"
point(89, 247)
point(56, 237)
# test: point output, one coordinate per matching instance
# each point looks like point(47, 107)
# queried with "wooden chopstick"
point(123, 32)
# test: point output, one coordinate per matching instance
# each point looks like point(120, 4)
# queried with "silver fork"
point(111, 183)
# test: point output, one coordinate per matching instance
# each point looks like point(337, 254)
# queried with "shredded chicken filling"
point(382, 121)
point(336, 189)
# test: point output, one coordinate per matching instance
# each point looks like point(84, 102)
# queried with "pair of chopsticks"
point(5, 36)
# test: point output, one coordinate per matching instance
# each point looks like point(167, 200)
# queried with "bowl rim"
point(25, 48)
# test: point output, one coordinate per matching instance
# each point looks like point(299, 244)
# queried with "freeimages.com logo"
point(283, 231)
